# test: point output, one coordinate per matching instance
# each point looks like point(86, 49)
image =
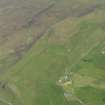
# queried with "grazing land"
point(52, 52)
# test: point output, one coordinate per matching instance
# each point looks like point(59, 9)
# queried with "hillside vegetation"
point(66, 66)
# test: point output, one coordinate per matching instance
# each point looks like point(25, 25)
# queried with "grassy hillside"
point(24, 22)
point(65, 67)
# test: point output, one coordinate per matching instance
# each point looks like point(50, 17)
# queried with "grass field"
point(66, 65)
point(24, 22)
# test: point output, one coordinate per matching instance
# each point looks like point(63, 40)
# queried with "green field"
point(24, 22)
point(66, 66)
